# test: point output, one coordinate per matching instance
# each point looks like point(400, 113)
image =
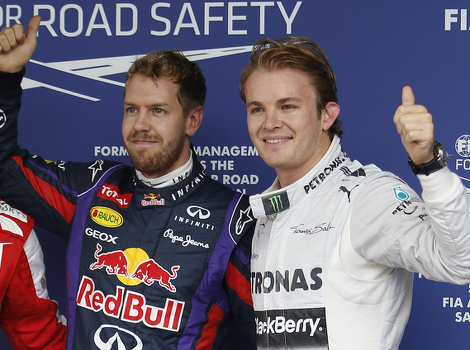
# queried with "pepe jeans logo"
point(276, 203)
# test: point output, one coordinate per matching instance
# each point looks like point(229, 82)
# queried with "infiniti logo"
point(3, 118)
point(201, 212)
point(109, 337)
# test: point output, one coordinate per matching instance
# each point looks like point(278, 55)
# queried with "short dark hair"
point(298, 53)
point(175, 67)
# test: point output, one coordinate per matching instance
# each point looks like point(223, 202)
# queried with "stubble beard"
point(160, 162)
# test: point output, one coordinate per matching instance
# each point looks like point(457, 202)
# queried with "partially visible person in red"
point(29, 319)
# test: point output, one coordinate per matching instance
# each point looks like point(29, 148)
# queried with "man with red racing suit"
point(28, 317)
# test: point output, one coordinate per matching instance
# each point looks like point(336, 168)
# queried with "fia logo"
point(462, 146)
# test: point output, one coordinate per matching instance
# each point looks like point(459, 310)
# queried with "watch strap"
point(438, 162)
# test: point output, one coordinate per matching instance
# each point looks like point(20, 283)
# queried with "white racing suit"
point(334, 253)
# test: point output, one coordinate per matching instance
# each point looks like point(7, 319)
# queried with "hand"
point(415, 126)
point(16, 48)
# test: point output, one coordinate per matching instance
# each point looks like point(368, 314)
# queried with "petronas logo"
point(276, 203)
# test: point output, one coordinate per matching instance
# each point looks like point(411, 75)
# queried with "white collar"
point(169, 179)
point(276, 199)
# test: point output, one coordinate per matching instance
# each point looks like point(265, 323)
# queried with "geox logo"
point(276, 203)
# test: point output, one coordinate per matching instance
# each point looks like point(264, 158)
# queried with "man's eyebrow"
point(152, 105)
point(254, 103)
point(288, 99)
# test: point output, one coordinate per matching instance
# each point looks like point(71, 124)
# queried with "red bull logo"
point(149, 271)
point(144, 269)
point(152, 199)
point(130, 306)
point(106, 216)
point(114, 262)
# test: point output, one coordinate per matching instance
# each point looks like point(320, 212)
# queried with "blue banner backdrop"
point(74, 92)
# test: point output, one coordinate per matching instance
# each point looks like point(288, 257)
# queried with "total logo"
point(111, 192)
point(121, 263)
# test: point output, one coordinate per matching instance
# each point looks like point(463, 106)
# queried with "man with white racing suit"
point(29, 319)
point(158, 254)
point(336, 243)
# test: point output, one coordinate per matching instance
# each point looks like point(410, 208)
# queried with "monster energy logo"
point(276, 203)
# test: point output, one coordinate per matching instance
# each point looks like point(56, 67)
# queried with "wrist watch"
point(438, 162)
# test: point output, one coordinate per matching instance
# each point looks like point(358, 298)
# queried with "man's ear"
point(329, 114)
point(193, 121)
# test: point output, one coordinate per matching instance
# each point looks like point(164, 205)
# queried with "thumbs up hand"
point(16, 48)
point(414, 124)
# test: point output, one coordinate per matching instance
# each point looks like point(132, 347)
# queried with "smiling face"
point(155, 131)
point(284, 123)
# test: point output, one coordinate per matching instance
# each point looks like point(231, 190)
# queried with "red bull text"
point(130, 306)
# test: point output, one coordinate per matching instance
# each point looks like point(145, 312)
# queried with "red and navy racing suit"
point(147, 268)
point(28, 317)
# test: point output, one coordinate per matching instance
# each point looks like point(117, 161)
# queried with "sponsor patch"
point(106, 216)
point(244, 219)
point(276, 203)
point(400, 194)
point(200, 212)
point(14, 213)
point(111, 193)
point(133, 266)
point(291, 329)
point(106, 335)
point(152, 199)
point(3, 118)
point(130, 306)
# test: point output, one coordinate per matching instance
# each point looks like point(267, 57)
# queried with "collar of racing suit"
point(169, 179)
point(275, 200)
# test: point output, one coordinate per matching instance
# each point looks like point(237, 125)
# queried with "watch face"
point(441, 154)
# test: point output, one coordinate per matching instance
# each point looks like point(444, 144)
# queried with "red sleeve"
point(28, 317)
